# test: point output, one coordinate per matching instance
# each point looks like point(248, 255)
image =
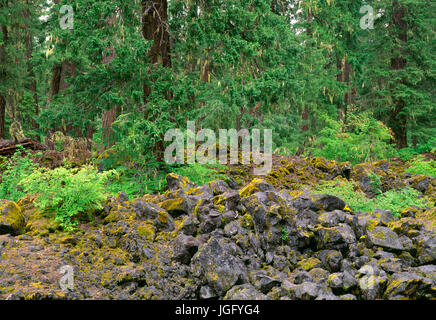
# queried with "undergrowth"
point(394, 200)
point(68, 191)
point(419, 166)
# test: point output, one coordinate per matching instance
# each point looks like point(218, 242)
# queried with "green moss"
point(172, 204)
point(309, 264)
point(147, 230)
point(247, 221)
point(250, 188)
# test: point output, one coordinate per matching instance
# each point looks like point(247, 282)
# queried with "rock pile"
point(221, 242)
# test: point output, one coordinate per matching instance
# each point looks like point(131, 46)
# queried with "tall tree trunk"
point(60, 73)
point(398, 118)
point(4, 32)
point(2, 116)
point(344, 75)
point(305, 111)
point(155, 28)
point(305, 114)
point(32, 84)
point(109, 116)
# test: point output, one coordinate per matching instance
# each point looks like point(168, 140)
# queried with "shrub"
point(67, 192)
point(200, 174)
point(394, 200)
point(420, 166)
point(136, 181)
point(361, 139)
point(141, 179)
point(15, 169)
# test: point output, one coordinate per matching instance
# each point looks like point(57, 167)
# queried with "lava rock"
point(385, 238)
point(219, 263)
point(185, 247)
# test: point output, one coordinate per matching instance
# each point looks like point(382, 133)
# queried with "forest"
point(92, 93)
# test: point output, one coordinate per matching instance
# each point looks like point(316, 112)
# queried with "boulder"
point(408, 285)
point(335, 238)
point(384, 237)
point(372, 282)
point(245, 292)
point(256, 185)
point(303, 291)
point(218, 262)
point(327, 202)
point(175, 181)
point(12, 220)
point(206, 292)
point(263, 282)
point(150, 211)
point(331, 259)
point(426, 249)
point(177, 206)
point(219, 187)
point(184, 248)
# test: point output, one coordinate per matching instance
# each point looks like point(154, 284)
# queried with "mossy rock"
point(384, 237)
point(12, 220)
point(256, 185)
point(309, 264)
point(175, 207)
point(147, 230)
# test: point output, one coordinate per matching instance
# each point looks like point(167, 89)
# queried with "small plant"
point(285, 234)
point(16, 168)
point(376, 183)
point(67, 192)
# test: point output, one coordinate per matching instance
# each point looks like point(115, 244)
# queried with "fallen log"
point(9, 147)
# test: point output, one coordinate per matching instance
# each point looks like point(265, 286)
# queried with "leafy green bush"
point(15, 169)
point(67, 192)
point(420, 166)
point(136, 181)
point(141, 179)
point(397, 200)
point(394, 200)
point(361, 139)
point(409, 152)
point(200, 174)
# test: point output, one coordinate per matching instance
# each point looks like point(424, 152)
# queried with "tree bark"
point(305, 111)
point(109, 116)
point(344, 76)
point(2, 116)
point(32, 84)
point(398, 118)
point(155, 28)
point(4, 31)
point(305, 114)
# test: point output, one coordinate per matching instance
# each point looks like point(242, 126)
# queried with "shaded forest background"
point(130, 70)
